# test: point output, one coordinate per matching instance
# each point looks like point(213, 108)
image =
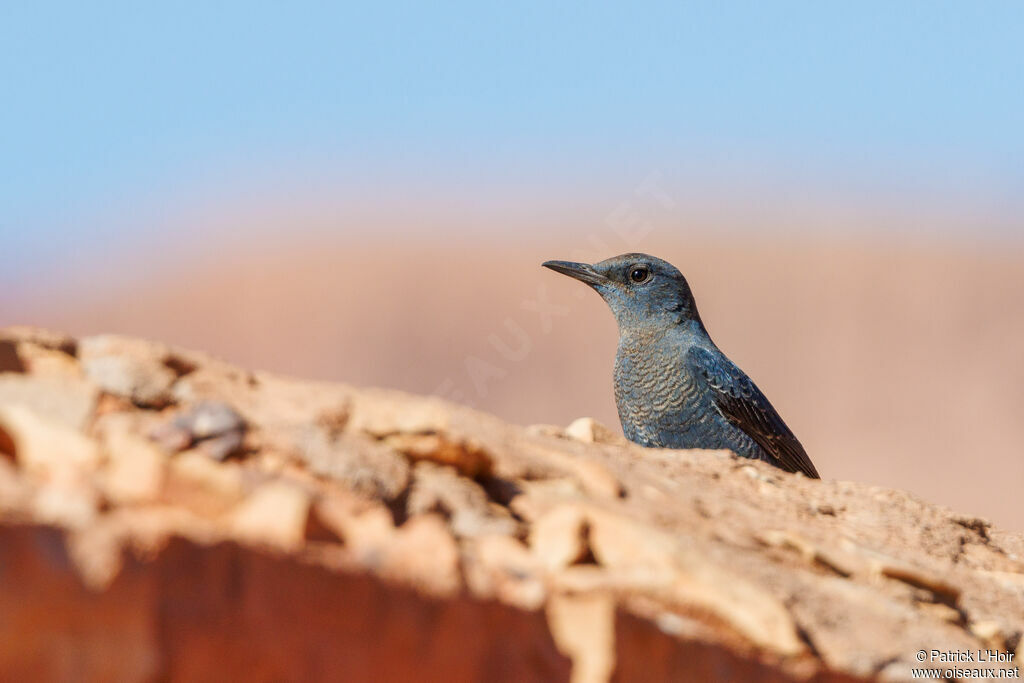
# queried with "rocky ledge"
point(165, 515)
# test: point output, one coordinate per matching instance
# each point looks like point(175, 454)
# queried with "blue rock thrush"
point(673, 387)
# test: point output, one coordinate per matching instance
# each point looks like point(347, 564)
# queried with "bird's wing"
point(742, 403)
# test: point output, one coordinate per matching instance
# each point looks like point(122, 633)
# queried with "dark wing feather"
point(742, 403)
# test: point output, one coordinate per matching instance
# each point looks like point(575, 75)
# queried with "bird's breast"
point(655, 394)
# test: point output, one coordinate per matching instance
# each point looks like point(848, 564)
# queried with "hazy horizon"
point(125, 121)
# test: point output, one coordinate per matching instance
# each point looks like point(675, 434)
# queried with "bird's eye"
point(639, 274)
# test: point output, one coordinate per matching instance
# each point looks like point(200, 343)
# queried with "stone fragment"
point(358, 462)
point(594, 478)
point(881, 564)
point(45, 447)
point(96, 552)
point(171, 437)
point(422, 552)
point(538, 497)
point(939, 611)
point(465, 455)
point(780, 538)
point(840, 561)
point(202, 485)
point(501, 567)
point(589, 430)
point(209, 419)
point(221, 446)
point(437, 488)
point(620, 542)
point(989, 632)
point(214, 427)
point(381, 416)
point(134, 469)
point(919, 578)
point(597, 479)
point(68, 401)
point(64, 503)
point(273, 515)
point(319, 529)
point(140, 371)
point(334, 419)
point(367, 533)
point(559, 537)
point(335, 516)
point(43, 362)
point(583, 627)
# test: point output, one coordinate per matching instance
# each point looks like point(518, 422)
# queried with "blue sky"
point(108, 105)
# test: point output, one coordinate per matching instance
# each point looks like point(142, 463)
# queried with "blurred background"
point(365, 194)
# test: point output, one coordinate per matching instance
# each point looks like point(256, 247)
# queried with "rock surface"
point(164, 515)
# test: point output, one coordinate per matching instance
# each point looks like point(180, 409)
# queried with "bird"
point(674, 388)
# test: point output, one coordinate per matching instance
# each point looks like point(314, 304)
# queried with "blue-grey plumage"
point(673, 387)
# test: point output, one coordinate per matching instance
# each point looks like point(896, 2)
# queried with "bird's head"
point(643, 292)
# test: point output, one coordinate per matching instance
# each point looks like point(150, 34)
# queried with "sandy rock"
point(485, 545)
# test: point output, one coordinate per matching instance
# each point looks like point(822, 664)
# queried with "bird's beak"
point(580, 271)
